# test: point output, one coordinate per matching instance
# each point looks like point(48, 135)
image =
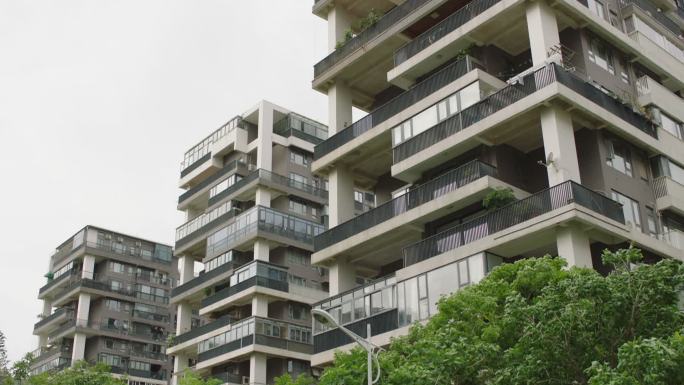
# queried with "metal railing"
point(510, 215)
point(505, 97)
point(116, 248)
point(302, 127)
point(244, 285)
point(660, 186)
point(62, 278)
point(227, 169)
point(58, 313)
point(268, 176)
point(389, 19)
point(205, 221)
point(651, 9)
point(441, 29)
point(206, 276)
point(204, 329)
point(198, 152)
point(334, 338)
point(397, 104)
point(435, 188)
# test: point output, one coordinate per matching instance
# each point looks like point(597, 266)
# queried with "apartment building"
point(253, 208)
point(106, 300)
point(575, 106)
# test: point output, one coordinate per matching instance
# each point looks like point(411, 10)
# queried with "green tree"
point(4, 363)
point(302, 379)
point(536, 322)
point(191, 378)
point(21, 370)
point(81, 373)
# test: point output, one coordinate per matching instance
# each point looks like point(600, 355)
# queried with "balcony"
point(301, 127)
point(48, 323)
point(160, 254)
point(648, 9)
point(197, 228)
point(410, 157)
point(669, 194)
point(194, 333)
point(653, 93)
point(57, 282)
point(674, 238)
point(260, 221)
point(203, 186)
point(243, 189)
point(540, 203)
point(206, 279)
point(255, 332)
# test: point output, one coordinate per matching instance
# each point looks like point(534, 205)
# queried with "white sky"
point(98, 101)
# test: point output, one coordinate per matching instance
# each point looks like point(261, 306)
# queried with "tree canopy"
point(536, 322)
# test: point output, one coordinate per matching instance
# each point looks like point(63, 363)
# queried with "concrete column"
point(78, 350)
point(88, 267)
point(542, 28)
point(42, 340)
point(186, 268)
point(47, 307)
point(260, 305)
point(261, 250)
point(339, 107)
point(183, 318)
point(257, 369)
point(559, 139)
point(573, 245)
point(340, 196)
point(263, 197)
point(180, 364)
point(83, 309)
point(265, 136)
point(342, 276)
point(339, 21)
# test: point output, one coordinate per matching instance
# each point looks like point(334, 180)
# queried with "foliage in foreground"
point(81, 373)
point(192, 378)
point(535, 322)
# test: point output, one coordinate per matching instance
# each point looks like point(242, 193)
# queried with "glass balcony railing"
point(443, 184)
point(204, 221)
point(397, 104)
point(262, 219)
point(513, 214)
point(57, 313)
point(206, 276)
point(505, 97)
point(256, 273)
point(268, 177)
point(301, 127)
point(204, 329)
point(227, 169)
point(201, 149)
point(161, 253)
point(259, 331)
point(389, 19)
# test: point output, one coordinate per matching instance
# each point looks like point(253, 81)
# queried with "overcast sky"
point(98, 101)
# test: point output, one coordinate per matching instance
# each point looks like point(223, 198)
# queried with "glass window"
point(630, 208)
point(672, 126)
point(600, 55)
point(442, 283)
point(651, 219)
point(469, 95)
point(619, 157)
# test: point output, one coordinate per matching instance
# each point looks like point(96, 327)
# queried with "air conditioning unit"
point(245, 380)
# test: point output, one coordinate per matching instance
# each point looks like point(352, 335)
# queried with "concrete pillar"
point(263, 197)
point(180, 364)
point(261, 250)
point(186, 268)
point(88, 267)
point(542, 28)
point(47, 307)
point(257, 369)
point(339, 107)
point(265, 136)
point(78, 350)
point(42, 340)
point(559, 139)
point(340, 196)
point(342, 276)
point(339, 21)
point(260, 305)
point(573, 245)
point(183, 318)
point(83, 309)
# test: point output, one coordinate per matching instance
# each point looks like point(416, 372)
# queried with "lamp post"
point(326, 318)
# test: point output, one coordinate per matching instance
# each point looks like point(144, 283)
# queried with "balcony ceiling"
point(357, 8)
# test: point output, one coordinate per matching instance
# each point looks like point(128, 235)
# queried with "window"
point(298, 311)
point(619, 157)
point(600, 55)
point(597, 7)
point(297, 257)
point(297, 207)
point(630, 208)
point(299, 178)
point(651, 222)
point(358, 196)
point(672, 126)
point(299, 158)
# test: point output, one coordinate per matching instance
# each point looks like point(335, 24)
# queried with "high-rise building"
point(572, 107)
point(253, 209)
point(106, 300)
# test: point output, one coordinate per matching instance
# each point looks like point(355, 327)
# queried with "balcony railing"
point(269, 283)
point(505, 97)
point(260, 331)
point(443, 28)
point(58, 313)
point(199, 151)
point(334, 338)
point(422, 194)
point(651, 9)
point(204, 329)
point(396, 105)
point(121, 249)
point(227, 169)
point(206, 276)
point(267, 176)
point(61, 278)
point(302, 128)
point(674, 238)
point(205, 221)
point(392, 17)
point(227, 378)
point(513, 214)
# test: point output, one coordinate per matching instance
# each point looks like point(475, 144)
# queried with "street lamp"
point(327, 319)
